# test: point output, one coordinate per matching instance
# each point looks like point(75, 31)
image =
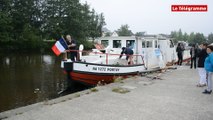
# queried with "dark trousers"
point(180, 58)
point(193, 62)
point(73, 56)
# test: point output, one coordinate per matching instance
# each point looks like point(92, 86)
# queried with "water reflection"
point(26, 78)
point(7, 61)
point(47, 59)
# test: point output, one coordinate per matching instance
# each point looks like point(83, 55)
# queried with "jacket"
point(208, 64)
point(126, 51)
point(179, 50)
point(201, 58)
point(195, 50)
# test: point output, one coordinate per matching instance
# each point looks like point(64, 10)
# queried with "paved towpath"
point(172, 97)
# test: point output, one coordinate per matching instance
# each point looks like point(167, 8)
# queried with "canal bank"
point(171, 95)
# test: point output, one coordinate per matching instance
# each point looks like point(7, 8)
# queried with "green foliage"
point(25, 23)
point(193, 38)
point(108, 34)
point(178, 36)
point(5, 27)
point(29, 38)
point(5, 21)
point(139, 33)
point(87, 44)
point(71, 17)
point(124, 31)
point(210, 38)
point(199, 38)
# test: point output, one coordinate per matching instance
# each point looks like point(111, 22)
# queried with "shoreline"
point(172, 95)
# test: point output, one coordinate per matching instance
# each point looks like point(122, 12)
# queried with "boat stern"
point(67, 65)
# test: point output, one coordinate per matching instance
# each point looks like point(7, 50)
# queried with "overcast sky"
point(154, 16)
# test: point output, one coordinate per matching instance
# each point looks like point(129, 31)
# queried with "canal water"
point(27, 78)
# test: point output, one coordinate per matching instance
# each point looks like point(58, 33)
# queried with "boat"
point(102, 65)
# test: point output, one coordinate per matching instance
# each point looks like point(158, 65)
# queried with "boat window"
point(156, 44)
point(148, 44)
point(130, 43)
point(143, 44)
point(116, 43)
point(105, 43)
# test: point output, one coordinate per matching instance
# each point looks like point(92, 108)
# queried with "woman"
point(201, 58)
point(208, 65)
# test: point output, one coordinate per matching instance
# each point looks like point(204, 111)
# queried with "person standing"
point(179, 51)
point(72, 47)
point(208, 65)
point(201, 58)
point(193, 53)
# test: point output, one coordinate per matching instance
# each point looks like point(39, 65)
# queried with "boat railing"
point(136, 57)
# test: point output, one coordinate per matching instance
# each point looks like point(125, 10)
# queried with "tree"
point(196, 38)
point(124, 31)
point(92, 25)
point(139, 33)
point(71, 17)
point(101, 23)
point(193, 38)
point(199, 38)
point(210, 38)
point(180, 35)
point(26, 19)
point(5, 21)
point(108, 34)
point(174, 35)
point(34, 20)
point(185, 37)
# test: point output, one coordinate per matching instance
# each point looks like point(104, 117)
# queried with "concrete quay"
point(171, 95)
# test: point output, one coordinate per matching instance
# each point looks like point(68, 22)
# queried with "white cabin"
point(155, 50)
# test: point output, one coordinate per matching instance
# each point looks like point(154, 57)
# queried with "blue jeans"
point(209, 80)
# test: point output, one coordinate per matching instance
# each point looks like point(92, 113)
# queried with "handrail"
point(107, 54)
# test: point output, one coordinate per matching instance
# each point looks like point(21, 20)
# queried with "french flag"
point(60, 46)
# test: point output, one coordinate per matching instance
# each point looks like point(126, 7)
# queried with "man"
point(129, 52)
point(193, 53)
point(179, 51)
point(201, 58)
point(72, 47)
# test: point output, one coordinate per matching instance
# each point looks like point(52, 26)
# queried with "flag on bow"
point(60, 46)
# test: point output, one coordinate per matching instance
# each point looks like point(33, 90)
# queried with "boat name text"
point(105, 69)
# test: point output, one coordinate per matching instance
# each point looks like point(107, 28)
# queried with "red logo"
point(189, 8)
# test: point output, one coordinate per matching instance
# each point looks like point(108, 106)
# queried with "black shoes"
point(207, 92)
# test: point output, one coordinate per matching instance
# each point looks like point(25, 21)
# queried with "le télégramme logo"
point(189, 8)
